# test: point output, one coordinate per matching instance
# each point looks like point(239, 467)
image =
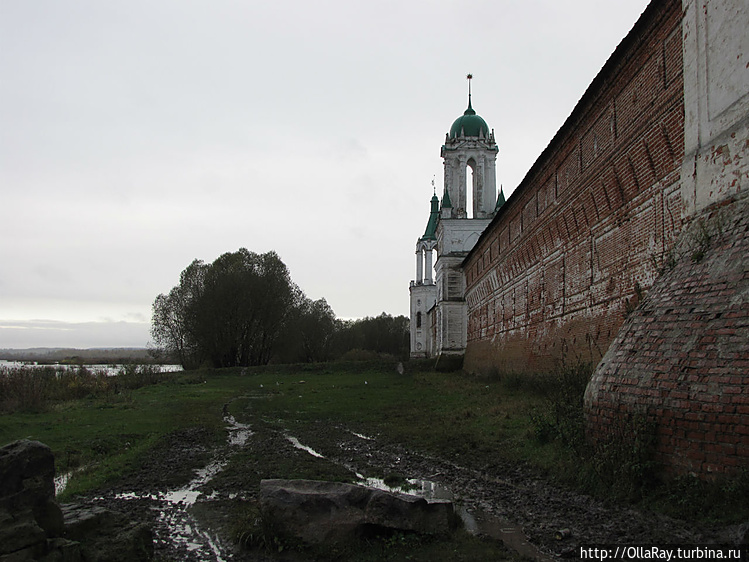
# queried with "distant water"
point(108, 369)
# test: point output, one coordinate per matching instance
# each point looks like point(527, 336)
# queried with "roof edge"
point(654, 11)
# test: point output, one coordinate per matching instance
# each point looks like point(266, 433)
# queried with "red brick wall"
point(681, 360)
point(586, 231)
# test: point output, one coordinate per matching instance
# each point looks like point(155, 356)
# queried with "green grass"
point(109, 435)
point(446, 413)
point(450, 415)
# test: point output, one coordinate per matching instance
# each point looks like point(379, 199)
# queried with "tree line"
point(244, 309)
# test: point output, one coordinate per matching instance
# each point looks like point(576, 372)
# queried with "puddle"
point(360, 436)
point(476, 521)
point(294, 441)
point(175, 524)
point(189, 494)
point(239, 433)
point(432, 492)
point(61, 480)
point(183, 530)
point(479, 522)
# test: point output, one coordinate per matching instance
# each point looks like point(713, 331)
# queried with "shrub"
point(620, 463)
point(133, 376)
point(24, 389)
point(562, 417)
point(32, 389)
point(623, 461)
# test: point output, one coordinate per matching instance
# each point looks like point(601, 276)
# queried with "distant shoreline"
point(95, 355)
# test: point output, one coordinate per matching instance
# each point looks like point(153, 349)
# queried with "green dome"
point(469, 125)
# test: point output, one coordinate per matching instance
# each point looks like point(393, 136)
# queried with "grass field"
point(450, 415)
point(445, 413)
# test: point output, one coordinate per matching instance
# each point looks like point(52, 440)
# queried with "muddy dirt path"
point(190, 491)
point(513, 494)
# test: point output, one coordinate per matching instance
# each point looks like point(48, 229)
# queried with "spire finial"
point(434, 189)
point(500, 198)
point(470, 110)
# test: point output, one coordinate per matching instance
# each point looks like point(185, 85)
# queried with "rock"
point(32, 527)
point(325, 512)
point(743, 534)
point(63, 550)
point(408, 513)
point(107, 535)
point(29, 514)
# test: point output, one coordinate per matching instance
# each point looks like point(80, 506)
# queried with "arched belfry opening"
point(470, 154)
point(469, 201)
point(471, 195)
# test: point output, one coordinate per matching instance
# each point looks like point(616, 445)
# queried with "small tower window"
point(418, 319)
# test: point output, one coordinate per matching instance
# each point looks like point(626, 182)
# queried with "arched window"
point(470, 186)
point(429, 273)
point(418, 319)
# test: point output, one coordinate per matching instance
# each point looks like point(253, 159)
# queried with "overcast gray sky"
point(136, 136)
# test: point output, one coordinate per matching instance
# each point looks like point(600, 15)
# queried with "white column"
point(462, 197)
point(428, 267)
point(419, 266)
point(480, 204)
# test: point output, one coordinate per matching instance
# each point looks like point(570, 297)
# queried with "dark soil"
point(510, 492)
point(516, 494)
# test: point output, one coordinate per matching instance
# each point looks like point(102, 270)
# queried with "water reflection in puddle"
point(479, 522)
point(182, 527)
point(475, 521)
point(61, 480)
point(360, 436)
point(432, 492)
point(294, 441)
point(189, 494)
point(239, 433)
point(176, 525)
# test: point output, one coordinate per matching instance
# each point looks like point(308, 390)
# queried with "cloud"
point(138, 136)
point(49, 333)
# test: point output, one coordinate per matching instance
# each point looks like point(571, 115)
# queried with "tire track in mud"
point(178, 533)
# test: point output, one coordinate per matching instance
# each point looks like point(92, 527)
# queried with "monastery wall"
point(679, 366)
point(584, 235)
point(628, 242)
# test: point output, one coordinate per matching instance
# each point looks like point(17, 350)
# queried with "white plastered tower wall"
point(455, 238)
point(423, 290)
point(479, 155)
point(423, 299)
point(716, 102)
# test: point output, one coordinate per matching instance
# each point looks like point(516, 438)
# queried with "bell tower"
point(423, 289)
point(455, 225)
point(470, 146)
